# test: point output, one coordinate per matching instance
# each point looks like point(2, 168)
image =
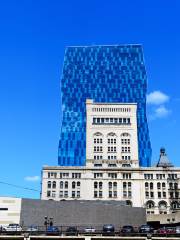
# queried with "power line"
point(21, 187)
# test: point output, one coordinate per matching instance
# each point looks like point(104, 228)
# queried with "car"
point(166, 230)
point(32, 228)
point(89, 230)
point(71, 231)
point(145, 228)
point(52, 230)
point(13, 227)
point(2, 229)
point(162, 230)
point(127, 229)
point(108, 229)
point(178, 229)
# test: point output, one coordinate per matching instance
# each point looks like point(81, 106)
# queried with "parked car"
point(71, 231)
point(178, 229)
point(166, 230)
point(108, 229)
point(89, 230)
point(32, 228)
point(52, 230)
point(2, 229)
point(127, 229)
point(145, 228)
point(13, 227)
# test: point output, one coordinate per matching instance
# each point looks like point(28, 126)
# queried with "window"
point(3, 209)
point(147, 194)
point(100, 194)
point(63, 175)
point(61, 194)
point(152, 194)
point(73, 194)
point(100, 185)
point(164, 194)
point(73, 185)
point(61, 184)
point(66, 185)
point(49, 184)
point(78, 184)
point(112, 175)
point(76, 175)
point(48, 193)
point(126, 175)
point(98, 175)
point(54, 184)
point(148, 176)
point(159, 194)
point(53, 194)
point(78, 194)
point(150, 204)
point(95, 194)
point(66, 194)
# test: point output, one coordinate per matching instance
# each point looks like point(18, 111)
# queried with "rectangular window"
point(48, 193)
point(164, 194)
point(152, 194)
point(73, 194)
point(61, 194)
point(100, 194)
point(95, 194)
point(110, 194)
point(78, 194)
point(159, 194)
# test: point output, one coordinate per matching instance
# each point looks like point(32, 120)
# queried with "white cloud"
point(160, 112)
point(157, 98)
point(32, 178)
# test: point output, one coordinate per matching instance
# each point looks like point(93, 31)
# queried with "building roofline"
point(105, 45)
point(145, 169)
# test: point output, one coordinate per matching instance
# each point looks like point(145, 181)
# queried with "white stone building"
point(10, 209)
point(112, 169)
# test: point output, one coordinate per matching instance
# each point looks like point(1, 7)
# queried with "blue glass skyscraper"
point(105, 74)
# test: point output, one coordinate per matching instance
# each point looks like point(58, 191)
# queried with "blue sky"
point(33, 37)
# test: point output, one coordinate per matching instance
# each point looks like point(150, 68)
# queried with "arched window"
point(49, 184)
point(115, 184)
point(111, 138)
point(66, 185)
point(129, 203)
point(110, 184)
point(78, 184)
point(98, 138)
point(158, 185)
point(162, 205)
point(163, 185)
point(146, 184)
point(54, 184)
point(125, 134)
point(73, 184)
point(151, 185)
point(61, 184)
point(150, 204)
point(100, 185)
point(175, 186)
point(95, 184)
